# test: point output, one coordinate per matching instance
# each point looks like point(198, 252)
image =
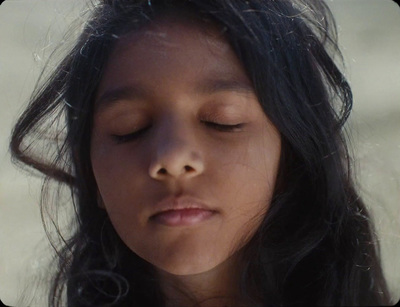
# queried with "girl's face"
point(184, 157)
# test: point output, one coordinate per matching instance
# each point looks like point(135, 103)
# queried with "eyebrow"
point(212, 86)
point(128, 92)
point(139, 92)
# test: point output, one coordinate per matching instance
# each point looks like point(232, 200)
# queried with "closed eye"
point(131, 136)
point(223, 127)
point(137, 134)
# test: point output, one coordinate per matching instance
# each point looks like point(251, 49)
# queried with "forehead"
point(173, 39)
point(178, 54)
point(173, 31)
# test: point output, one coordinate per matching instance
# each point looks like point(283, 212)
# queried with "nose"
point(176, 156)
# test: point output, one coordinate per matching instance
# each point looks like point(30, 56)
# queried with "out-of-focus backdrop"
point(369, 35)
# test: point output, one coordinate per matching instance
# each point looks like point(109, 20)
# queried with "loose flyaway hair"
point(316, 245)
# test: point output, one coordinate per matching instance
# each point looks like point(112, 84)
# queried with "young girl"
point(205, 154)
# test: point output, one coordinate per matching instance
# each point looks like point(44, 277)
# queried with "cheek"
point(245, 183)
point(116, 174)
point(251, 169)
point(120, 190)
point(114, 165)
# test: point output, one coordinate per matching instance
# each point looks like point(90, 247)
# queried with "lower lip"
point(182, 217)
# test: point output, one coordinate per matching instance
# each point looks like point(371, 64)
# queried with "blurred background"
point(369, 36)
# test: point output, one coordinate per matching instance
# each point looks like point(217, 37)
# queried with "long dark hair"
point(317, 244)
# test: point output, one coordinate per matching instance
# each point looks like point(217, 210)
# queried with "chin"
point(182, 259)
point(186, 269)
point(187, 265)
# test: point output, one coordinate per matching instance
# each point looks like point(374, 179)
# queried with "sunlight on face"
point(183, 155)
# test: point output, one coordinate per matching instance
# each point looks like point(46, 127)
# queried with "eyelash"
point(134, 135)
point(223, 128)
point(131, 136)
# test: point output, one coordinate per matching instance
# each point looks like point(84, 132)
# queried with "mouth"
point(182, 211)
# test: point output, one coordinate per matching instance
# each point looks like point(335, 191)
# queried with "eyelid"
point(223, 113)
point(224, 127)
point(130, 136)
point(120, 139)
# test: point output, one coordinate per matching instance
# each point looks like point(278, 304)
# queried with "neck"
point(216, 287)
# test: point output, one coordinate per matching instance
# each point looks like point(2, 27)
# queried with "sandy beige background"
point(369, 34)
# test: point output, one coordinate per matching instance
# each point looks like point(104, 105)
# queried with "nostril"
point(162, 171)
point(189, 168)
point(175, 167)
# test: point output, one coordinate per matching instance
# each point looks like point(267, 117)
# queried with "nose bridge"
point(174, 136)
point(175, 151)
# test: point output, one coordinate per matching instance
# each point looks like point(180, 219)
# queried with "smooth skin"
point(177, 116)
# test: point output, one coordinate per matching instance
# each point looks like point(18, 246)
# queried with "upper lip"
point(180, 203)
